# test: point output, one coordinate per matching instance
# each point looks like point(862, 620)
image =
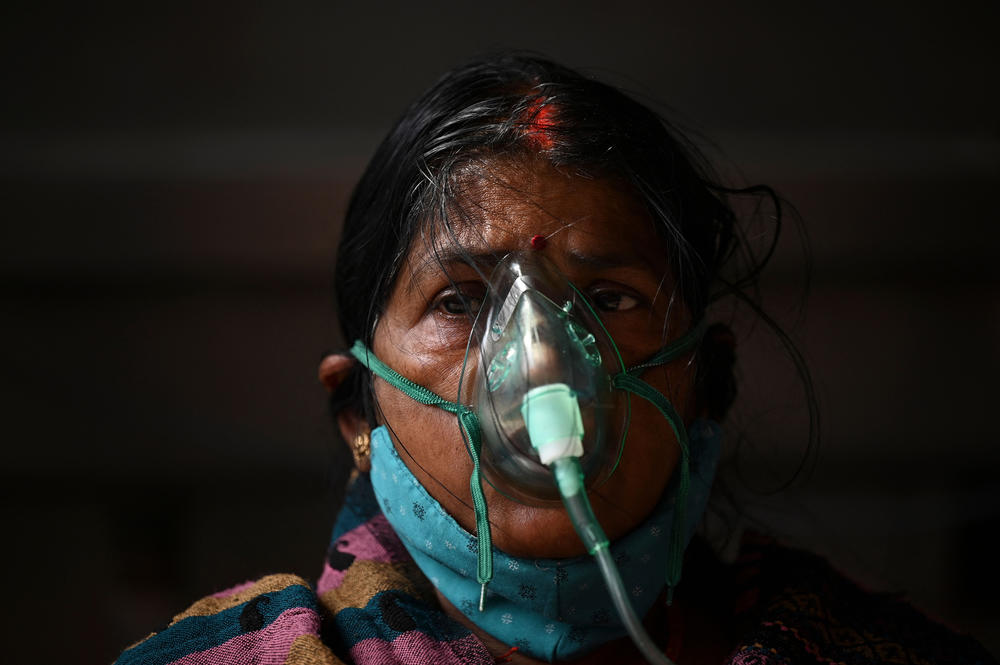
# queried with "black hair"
point(513, 105)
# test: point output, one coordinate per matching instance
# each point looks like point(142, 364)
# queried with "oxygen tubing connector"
point(550, 413)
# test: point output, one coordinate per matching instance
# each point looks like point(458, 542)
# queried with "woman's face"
point(601, 237)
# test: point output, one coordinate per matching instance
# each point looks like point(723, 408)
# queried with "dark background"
point(173, 183)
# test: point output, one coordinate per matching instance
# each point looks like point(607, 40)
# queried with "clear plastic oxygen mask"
point(543, 388)
point(549, 418)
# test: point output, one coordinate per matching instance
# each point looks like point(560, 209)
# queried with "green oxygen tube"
point(555, 427)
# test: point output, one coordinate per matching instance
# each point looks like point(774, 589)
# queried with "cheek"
point(423, 432)
point(676, 383)
point(651, 455)
point(652, 436)
point(429, 442)
point(428, 354)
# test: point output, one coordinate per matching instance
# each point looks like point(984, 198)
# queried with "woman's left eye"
point(613, 301)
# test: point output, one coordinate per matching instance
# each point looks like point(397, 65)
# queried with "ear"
point(334, 368)
point(333, 371)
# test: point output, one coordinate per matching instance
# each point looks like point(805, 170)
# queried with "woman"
point(517, 194)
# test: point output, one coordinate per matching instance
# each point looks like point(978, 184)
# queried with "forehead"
point(500, 209)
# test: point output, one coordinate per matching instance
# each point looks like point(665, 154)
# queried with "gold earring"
point(361, 449)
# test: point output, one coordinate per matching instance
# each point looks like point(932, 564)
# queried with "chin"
point(534, 532)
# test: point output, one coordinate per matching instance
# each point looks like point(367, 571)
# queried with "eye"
point(610, 300)
point(456, 305)
point(464, 300)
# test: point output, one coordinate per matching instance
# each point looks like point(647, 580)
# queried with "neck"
point(618, 651)
point(692, 636)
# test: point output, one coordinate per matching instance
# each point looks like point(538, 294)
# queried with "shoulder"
point(794, 607)
point(275, 619)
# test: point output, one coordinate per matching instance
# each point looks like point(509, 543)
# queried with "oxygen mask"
point(544, 409)
point(542, 386)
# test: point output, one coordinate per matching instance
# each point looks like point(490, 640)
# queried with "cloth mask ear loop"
point(469, 423)
point(629, 381)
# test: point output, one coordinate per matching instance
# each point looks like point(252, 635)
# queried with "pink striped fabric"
point(267, 646)
point(362, 543)
point(416, 648)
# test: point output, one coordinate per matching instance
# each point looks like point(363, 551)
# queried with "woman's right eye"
point(454, 302)
point(457, 306)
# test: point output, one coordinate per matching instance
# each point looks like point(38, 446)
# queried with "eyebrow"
point(605, 260)
point(485, 261)
point(445, 259)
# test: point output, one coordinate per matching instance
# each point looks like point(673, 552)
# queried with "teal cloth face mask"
point(551, 609)
point(540, 340)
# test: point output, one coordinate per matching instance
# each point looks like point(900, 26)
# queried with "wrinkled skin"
point(600, 236)
point(604, 241)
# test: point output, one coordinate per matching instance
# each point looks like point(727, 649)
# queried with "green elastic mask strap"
point(469, 424)
point(672, 351)
point(631, 382)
